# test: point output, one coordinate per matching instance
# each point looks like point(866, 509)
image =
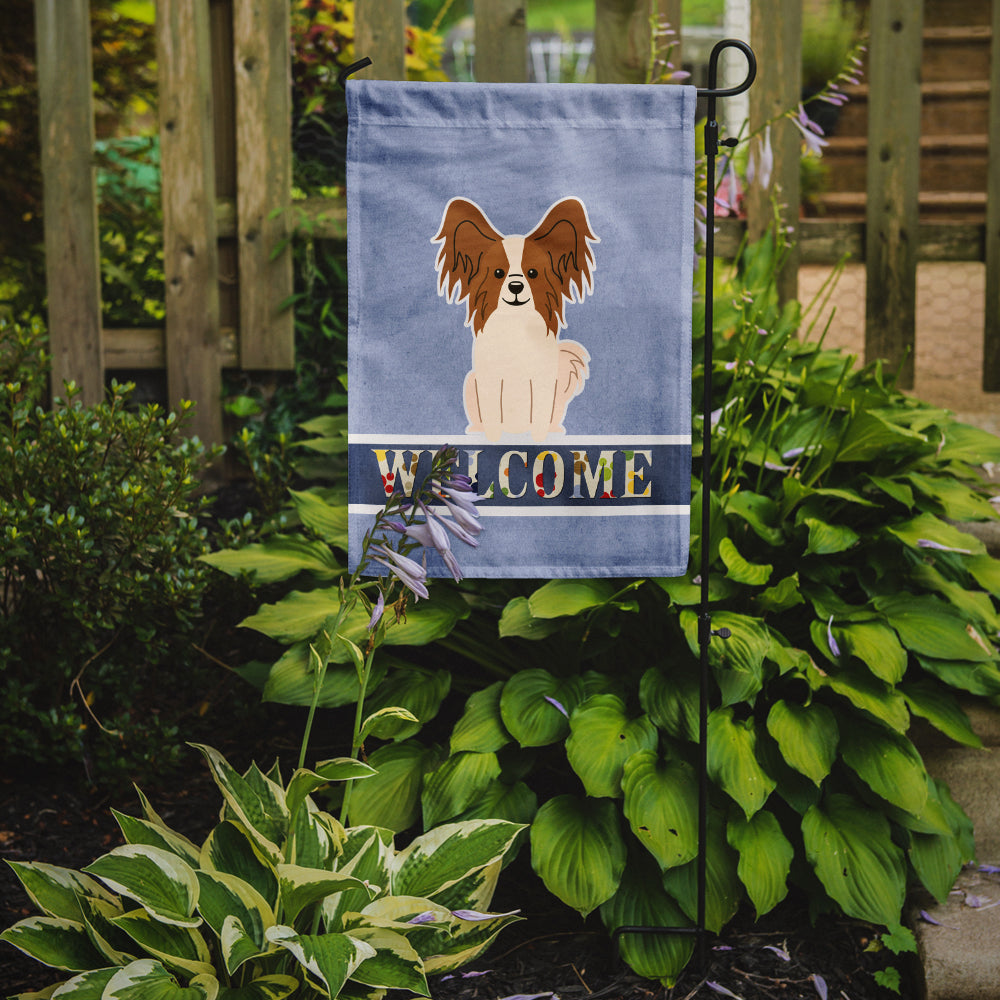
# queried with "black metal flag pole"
point(705, 631)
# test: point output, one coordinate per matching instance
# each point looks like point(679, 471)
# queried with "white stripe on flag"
point(567, 441)
point(668, 510)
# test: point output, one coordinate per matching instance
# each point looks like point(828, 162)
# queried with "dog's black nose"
point(516, 287)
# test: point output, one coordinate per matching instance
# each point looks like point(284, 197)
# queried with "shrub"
point(280, 899)
point(99, 539)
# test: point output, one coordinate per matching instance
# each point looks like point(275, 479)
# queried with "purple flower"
point(475, 915)
point(820, 983)
point(761, 163)
point(834, 648)
point(780, 952)
point(377, 612)
point(927, 543)
point(558, 705)
point(468, 521)
point(719, 988)
point(427, 917)
point(411, 574)
point(811, 132)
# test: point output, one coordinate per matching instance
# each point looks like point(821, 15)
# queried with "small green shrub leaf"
point(661, 799)
point(732, 760)
point(850, 848)
point(577, 850)
point(601, 739)
point(765, 858)
point(866, 692)
point(535, 706)
point(481, 727)
point(807, 736)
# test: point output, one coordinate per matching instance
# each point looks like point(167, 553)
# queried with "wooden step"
point(947, 162)
point(956, 53)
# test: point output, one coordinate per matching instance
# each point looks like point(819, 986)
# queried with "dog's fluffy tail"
point(574, 368)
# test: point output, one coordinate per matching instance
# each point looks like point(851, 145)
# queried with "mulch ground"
point(58, 820)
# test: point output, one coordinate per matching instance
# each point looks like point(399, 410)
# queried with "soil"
point(51, 818)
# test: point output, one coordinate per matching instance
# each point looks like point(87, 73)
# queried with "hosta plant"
point(279, 900)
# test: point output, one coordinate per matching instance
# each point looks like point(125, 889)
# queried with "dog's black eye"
point(532, 273)
point(498, 273)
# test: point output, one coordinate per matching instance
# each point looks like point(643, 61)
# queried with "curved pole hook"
point(353, 68)
point(713, 69)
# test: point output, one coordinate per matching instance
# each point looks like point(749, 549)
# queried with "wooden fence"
point(226, 160)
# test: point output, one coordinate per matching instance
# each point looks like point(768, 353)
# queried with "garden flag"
point(520, 263)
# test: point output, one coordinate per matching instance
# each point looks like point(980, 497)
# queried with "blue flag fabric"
point(520, 263)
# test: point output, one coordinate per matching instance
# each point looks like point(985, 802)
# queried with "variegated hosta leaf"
point(158, 880)
point(481, 727)
point(315, 838)
point(367, 853)
point(475, 891)
point(642, 902)
point(602, 737)
point(468, 939)
point(300, 887)
point(850, 847)
point(395, 964)
point(441, 857)
point(723, 889)
point(98, 915)
point(456, 784)
point(732, 760)
point(225, 897)
point(86, 986)
point(177, 947)
point(578, 851)
point(274, 987)
point(141, 831)
point(56, 891)
point(147, 979)
point(807, 736)
point(54, 941)
point(535, 706)
point(765, 858)
point(329, 959)
point(256, 801)
point(230, 849)
point(661, 800)
point(304, 782)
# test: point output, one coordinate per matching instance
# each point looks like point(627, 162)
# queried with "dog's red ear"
point(563, 237)
point(465, 236)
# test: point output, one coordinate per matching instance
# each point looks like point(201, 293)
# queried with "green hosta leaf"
point(147, 979)
point(931, 628)
point(986, 571)
point(893, 488)
point(850, 847)
point(876, 646)
point(330, 959)
point(827, 539)
point(641, 901)
point(260, 809)
point(865, 692)
point(225, 897)
point(732, 760)
point(395, 964)
point(440, 858)
point(723, 889)
point(516, 803)
point(783, 595)
point(869, 436)
point(602, 738)
point(976, 678)
point(528, 710)
point(661, 799)
point(230, 849)
point(671, 700)
point(391, 798)
point(301, 887)
point(180, 948)
point(291, 680)
point(517, 620)
point(56, 891)
point(888, 763)
point(274, 987)
point(957, 501)
point(937, 860)
point(54, 941)
point(941, 709)
point(928, 528)
point(141, 831)
point(279, 558)
point(481, 728)
point(159, 881)
point(327, 520)
point(739, 569)
point(683, 591)
point(456, 784)
point(418, 690)
point(965, 443)
point(559, 598)
point(738, 661)
point(807, 736)
point(578, 851)
point(765, 858)
point(386, 723)
point(758, 511)
point(976, 605)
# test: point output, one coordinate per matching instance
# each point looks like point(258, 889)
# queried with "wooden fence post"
point(72, 255)
point(991, 332)
point(380, 34)
point(262, 60)
point(190, 251)
point(776, 35)
point(892, 213)
point(501, 41)
point(622, 40)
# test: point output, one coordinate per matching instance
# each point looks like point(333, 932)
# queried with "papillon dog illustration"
point(516, 289)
